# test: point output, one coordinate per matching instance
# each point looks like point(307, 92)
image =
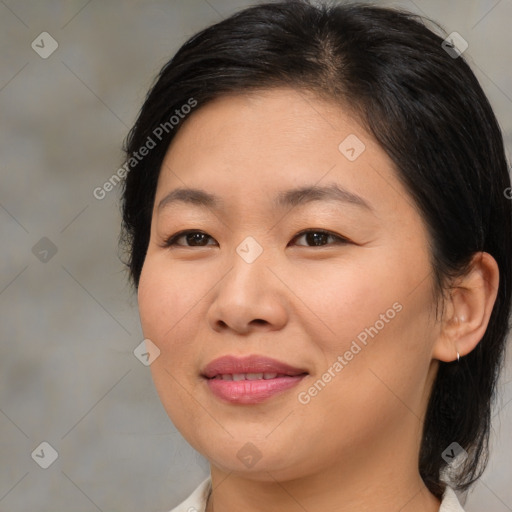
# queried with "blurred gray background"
point(69, 324)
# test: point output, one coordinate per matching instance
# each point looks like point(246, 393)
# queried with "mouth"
point(252, 376)
point(250, 380)
point(251, 367)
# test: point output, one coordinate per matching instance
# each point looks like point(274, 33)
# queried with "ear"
point(467, 312)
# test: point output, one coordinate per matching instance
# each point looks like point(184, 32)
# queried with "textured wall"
point(68, 375)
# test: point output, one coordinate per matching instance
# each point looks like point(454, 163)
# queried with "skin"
point(354, 446)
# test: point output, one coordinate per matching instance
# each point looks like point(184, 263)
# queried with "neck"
point(256, 496)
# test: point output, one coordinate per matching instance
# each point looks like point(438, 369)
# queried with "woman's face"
point(353, 313)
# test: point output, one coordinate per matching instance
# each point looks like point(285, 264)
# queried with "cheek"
point(386, 292)
point(154, 300)
point(166, 305)
point(375, 315)
point(346, 298)
point(167, 302)
point(165, 298)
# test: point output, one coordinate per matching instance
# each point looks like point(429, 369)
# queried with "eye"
point(192, 237)
point(317, 237)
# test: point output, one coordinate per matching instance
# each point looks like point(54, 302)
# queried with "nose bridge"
point(249, 250)
point(249, 267)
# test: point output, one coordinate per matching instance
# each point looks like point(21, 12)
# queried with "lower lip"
point(251, 391)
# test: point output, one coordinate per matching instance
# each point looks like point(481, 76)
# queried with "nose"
point(250, 297)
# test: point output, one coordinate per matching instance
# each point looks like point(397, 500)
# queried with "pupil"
point(316, 237)
point(190, 238)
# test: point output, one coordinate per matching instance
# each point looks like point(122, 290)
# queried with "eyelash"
point(171, 241)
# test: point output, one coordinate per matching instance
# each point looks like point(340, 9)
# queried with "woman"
point(317, 230)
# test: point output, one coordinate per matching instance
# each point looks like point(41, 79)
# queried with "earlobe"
point(468, 310)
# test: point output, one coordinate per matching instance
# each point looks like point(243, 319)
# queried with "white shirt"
point(196, 502)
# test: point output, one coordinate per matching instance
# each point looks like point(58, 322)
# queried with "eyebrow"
point(287, 198)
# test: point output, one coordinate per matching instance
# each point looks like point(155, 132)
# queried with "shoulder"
point(450, 502)
point(196, 502)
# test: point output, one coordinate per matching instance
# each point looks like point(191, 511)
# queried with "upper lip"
point(249, 364)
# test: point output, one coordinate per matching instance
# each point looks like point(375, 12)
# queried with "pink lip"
point(248, 364)
point(250, 391)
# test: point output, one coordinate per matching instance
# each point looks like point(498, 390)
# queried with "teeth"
point(254, 376)
point(248, 376)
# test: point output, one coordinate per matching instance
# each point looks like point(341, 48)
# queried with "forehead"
point(242, 147)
